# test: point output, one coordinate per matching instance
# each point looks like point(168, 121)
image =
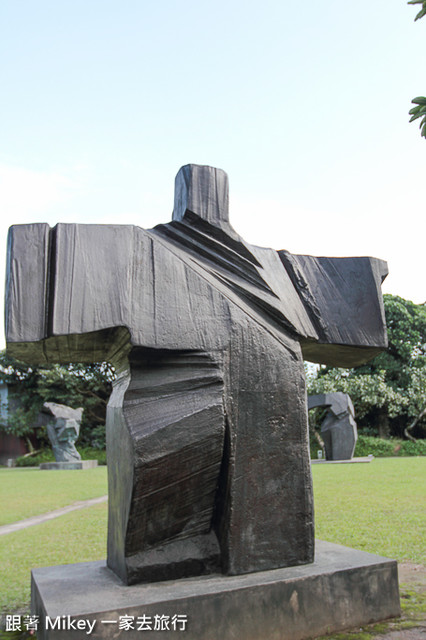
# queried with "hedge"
point(46, 455)
point(381, 448)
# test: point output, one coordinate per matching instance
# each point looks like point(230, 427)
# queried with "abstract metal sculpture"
point(208, 456)
point(64, 431)
point(338, 429)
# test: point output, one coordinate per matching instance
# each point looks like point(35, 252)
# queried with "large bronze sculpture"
point(208, 455)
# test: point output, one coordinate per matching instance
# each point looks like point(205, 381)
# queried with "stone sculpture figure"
point(64, 431)
point(208, 459)
point(338, 429)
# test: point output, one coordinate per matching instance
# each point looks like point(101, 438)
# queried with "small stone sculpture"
point(208, 457)
point(338, 429)
point(64, 431)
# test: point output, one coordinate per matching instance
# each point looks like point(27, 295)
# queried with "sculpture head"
point(202, 194)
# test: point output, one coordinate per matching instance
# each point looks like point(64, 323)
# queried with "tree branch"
point(413, 424)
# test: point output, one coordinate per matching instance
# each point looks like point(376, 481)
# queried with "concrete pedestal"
point(369, 458)
point(343, 588)
point(67, 466)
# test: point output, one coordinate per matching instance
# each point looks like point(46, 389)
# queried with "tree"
point(389, 392)
point(422, 12)
point(419, 111)
point(75, 385)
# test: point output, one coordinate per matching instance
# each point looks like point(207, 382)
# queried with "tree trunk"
point(413, 424)
point(316, 435)
point(383, 424)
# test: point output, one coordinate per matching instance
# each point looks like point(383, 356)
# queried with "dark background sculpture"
point(63, 430)
point(208, 459)
point(338, 428)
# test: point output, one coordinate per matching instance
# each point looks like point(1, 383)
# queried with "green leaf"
point(420, 14)
point(417, 113)
point(423, 10)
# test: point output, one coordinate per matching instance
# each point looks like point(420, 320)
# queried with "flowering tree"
point(389, 392)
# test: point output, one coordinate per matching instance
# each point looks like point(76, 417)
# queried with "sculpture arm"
point(344, 301)
point(67, 297)
point(88, 293)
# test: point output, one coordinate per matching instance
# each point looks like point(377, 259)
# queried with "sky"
point(304, 105)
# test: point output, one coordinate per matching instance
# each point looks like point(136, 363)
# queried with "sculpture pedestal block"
point(343, 588)
point(67, 466)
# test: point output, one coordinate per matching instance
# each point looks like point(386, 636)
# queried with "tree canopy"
point(389, 392)
point(75, 385)
point(419, 111)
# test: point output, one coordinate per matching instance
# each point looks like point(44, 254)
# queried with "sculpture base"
point(349, 461)
point(343, 588)
point(67, 466)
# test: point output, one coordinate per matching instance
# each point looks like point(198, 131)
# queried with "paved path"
point(50, 515)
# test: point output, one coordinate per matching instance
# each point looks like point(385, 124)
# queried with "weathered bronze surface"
point(208, 456)
point(63, 430)
point(338, 428)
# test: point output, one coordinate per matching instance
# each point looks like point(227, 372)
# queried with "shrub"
point(381, 448)
point(378, 447)
point(46, 455)
point(409, 448)
point(87, 453)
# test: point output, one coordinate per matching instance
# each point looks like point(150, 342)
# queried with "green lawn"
point(79, 536)
point(378, 507)
point(26, 492)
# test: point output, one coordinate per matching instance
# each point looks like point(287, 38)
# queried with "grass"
point(28, 492)
point(377, 507)
point(380, 508)
point(79, 536)
point(413, 606)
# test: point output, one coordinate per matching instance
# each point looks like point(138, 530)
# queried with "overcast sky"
point(303, 104)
